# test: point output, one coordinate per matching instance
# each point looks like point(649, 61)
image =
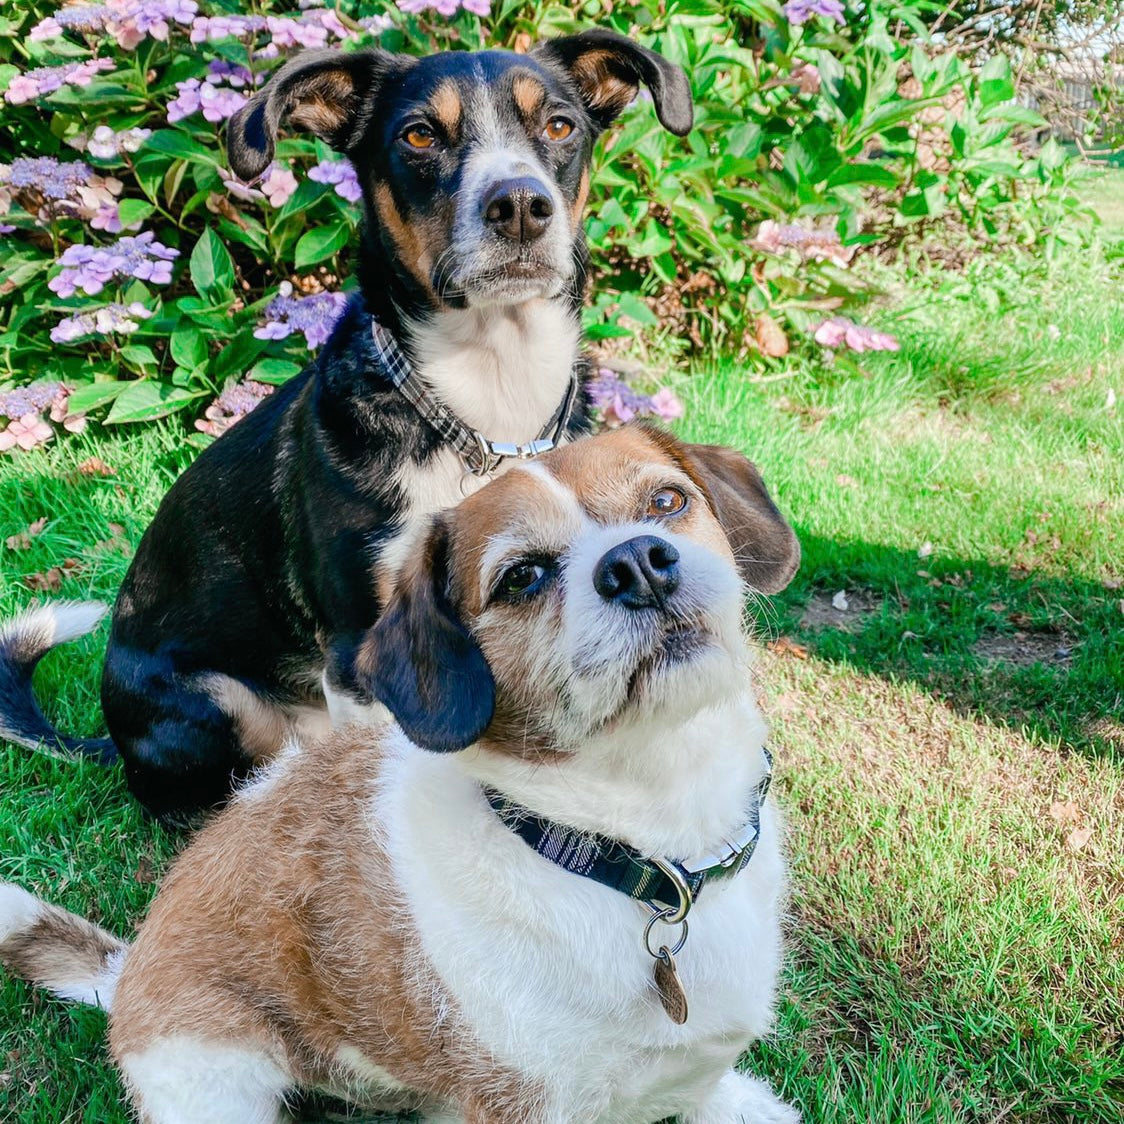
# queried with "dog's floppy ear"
point(765, 548)
point(421, 661)
point(321, 91)
point(608, 70)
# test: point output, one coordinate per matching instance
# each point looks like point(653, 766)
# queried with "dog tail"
point(24, 641)
point(58, 950)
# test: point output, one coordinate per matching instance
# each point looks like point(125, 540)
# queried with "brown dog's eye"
point(522, 578)
point(557, 129)
point(420, 136)
point(667, 501)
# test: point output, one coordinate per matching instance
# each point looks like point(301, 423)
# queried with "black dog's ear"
point(423, 664)
point(765, 548)
point(321, 91)
point(608, 69)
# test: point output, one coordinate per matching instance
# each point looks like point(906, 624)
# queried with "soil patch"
point(846, 612)
point(1023, 649)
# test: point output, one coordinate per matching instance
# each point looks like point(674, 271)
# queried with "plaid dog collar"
point(480, 455)
point(668, 887)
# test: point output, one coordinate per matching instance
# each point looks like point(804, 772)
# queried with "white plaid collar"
point(480, 455)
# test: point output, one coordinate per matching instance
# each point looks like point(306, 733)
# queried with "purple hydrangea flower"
point(800, 11)
point(100, 322)
point(83, 18)
point(314, 316)
point(446, 8)
point(815, 244)
point(218, 95)
point(841, 332)
point(91, 268)
point(316, 27)
point(234, 403)
point(53, 188)
point(341, 174)
point(43, 80)
point(26, 400)
point(617, 402)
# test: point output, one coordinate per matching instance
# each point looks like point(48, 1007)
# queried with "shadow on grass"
point(1029, 650)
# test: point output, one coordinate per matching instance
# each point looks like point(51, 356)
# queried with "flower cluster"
point(841, 332)
point(341, 175)
point(617, 402)
point(130, 22)
point(43, 80)
point(314, 316)
point(218, 96)
point(816, 244)
point(233, 404)
point(317, 27)
point(104, 144)
point(276, 185)
point(52, 189)
point(100, 322)
point(91, 268)
point(24, 408)
point(801, 11)
point(446, 8)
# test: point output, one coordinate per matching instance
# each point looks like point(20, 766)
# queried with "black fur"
point(259, 563)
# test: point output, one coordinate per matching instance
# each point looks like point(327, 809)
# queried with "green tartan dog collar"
point(669, 887)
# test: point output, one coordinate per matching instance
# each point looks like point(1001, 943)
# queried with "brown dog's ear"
point(765, 548)
point(421, 662)
point(321, 91)
point(608, 70)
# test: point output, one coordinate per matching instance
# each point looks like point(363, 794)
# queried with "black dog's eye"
point(520, 579)
point(667, 501)
point(558, 129)
point(420, 136)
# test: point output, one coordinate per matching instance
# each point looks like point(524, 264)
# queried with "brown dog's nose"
point(639, 574)
point(518, 209)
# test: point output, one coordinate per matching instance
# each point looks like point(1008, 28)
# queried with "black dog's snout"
point(639, 574)
point(519, 209)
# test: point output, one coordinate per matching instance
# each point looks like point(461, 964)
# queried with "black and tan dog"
point(246, 604)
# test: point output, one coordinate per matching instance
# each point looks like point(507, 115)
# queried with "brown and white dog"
point(361, 920)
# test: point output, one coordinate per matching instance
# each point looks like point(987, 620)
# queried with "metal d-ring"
point(664, 915)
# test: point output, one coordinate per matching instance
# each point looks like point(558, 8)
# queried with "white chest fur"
point(550, 969)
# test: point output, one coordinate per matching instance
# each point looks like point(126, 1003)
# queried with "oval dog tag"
point(669, 986)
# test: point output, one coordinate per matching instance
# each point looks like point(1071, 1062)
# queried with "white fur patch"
point(188, 1081)
point(57, 623)
point(19, 910)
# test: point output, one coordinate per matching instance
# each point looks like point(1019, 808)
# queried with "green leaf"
point(137, 355)
point(96, 394)
point(189, 347)
point(133, 212)
point(996, 83)
point(146, 400)
point(212, 270)
point(173, 142)
point(874, 175)
point(317, 245)
point(274, 371)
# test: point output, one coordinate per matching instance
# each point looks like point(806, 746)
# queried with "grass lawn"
point(949, 732)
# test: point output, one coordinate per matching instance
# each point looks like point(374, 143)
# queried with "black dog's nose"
point(518, 209)
point(639, 574)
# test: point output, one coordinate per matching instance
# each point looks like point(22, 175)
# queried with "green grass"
point(1102, 188)
point(955, 956)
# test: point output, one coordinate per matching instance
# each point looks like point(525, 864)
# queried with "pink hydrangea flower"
point(666, 405)
point(25, 433)
point(841, 332)
point(278, 184)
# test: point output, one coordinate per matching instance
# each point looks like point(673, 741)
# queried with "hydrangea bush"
point(141, 278)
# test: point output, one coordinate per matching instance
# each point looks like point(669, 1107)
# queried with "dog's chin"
point(514, 283)
point(689, 669)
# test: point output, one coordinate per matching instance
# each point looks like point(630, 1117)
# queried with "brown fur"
point(306, 948)
point(448, 108)
point(413, 243)
point(597, 73)
point(58, 949)
point(323, 103)
point(529, 93)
